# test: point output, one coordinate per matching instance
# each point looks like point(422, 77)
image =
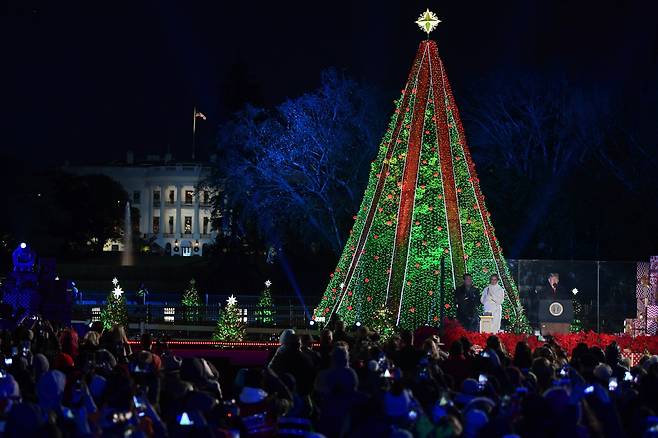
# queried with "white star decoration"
point(268, 283)
point(115, 281)
point(117, 292)
point(232, 301)
point(574, 291)
point(428, 21)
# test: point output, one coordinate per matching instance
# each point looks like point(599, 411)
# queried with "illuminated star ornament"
point(232, 301)
point(117, 292)
point(115, 281)
point(268, 283)
point(428, 21)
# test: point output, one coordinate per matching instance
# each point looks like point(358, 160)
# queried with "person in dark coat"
point(467, 298)
point(552, 290)
point(289, 358)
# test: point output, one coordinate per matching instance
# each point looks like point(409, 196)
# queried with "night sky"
point(86, 81)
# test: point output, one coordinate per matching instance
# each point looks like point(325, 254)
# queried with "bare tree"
point(300, 168)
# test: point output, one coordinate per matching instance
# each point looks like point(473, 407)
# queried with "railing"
point(284, 315)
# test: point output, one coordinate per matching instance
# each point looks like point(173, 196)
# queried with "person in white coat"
point(492, 298)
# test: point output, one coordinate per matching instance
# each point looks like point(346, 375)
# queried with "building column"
point(147, 204)
point(163, 221)
point(196, 228)
point(179, 230)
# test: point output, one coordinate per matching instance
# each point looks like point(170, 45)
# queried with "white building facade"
point(172, 214)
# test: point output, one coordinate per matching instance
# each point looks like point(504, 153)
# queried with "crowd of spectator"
point(346, 384)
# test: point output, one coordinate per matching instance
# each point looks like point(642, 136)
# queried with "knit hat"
point(468, 391)
point(63, 362)
point(40, 365)
point(558, 400)
point(474, 420)
point(287, 337)
point(340, 357)
point(397, 405)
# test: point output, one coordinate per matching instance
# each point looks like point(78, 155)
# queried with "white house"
point(171, 212)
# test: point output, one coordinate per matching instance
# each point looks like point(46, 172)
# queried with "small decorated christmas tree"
point(191, 302)
point(115, 312)
point(578, 313)
point(265, 313)
point(230, 327)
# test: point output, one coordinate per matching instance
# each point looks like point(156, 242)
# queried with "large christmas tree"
point(423, 203)
point(115, 311)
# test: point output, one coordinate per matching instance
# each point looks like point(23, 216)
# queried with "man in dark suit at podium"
point(553, 290)
point(554, 320)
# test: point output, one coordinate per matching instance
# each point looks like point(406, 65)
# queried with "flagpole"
point(193, 131)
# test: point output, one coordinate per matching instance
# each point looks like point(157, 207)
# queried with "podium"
point(486, 323)
point(555, 316)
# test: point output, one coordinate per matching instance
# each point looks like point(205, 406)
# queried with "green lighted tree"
point(115, 311)
point(230, 327)
point(578, 313)
point(423, 202)
point(191, 302)
point(265, 314)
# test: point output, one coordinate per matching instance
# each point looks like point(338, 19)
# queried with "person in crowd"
point(258, 410)
point(289, 358)
point(492, 299)
point(373, 387)
point(457, 367)
point(326, 346)
point(309, 351)
point(407, 357)
point(340, 335)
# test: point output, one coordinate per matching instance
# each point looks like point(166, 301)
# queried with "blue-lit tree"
point(299, 169)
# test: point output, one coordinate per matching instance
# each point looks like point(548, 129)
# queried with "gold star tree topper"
point(428, 21)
